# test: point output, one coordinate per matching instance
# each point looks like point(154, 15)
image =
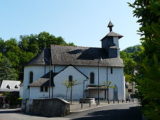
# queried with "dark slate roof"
point(113, 34)
point(41, 59)
point(47, 75)
point(82, 56)
point(44, 80)
point(76, 56)
point(39, 82)
point(75, 68)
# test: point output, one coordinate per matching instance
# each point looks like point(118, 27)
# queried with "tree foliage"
point(148, 14)
point(69, 85)
point(19, 53)
point(107, 85)
point(6, 70)
point(131, 57)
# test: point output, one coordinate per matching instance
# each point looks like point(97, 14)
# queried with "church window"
point(111, 70)
point(91, 78)
point(30, 77)
point(70, 78)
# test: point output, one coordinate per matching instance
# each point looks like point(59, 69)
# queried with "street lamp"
point(98, 80)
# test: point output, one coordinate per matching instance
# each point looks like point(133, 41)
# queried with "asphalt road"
point(111, 112)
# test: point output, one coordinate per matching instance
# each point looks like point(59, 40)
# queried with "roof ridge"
point(74, 46)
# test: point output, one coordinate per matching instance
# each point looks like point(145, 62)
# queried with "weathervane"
point(110, 25)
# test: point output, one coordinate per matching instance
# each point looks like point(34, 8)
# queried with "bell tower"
point(111, 42)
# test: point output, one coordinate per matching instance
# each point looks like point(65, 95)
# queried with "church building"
point(90, 69)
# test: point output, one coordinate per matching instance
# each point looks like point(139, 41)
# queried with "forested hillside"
point(14, 54)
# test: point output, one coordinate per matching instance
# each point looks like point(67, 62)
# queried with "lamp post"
point(98, 81)
point(53, 79)
point(84, 86)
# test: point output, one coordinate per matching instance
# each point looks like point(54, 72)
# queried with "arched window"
point(111, 70)
point(70, 78)
point(30, 77)
point(91, 78)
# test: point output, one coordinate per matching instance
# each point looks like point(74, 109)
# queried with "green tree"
point(19, 53)
point(107, 85)
point(69, 84)
point(47, 39)
point(2, 45)
point(36, 43)
point(12, 52)
point(6, 70)
point(131, 57)
point(148, 14)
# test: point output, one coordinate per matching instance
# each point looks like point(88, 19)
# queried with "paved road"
point(109, 112)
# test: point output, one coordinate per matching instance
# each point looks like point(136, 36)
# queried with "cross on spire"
point(110, 25)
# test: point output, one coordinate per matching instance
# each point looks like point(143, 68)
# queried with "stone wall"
point(48, 107)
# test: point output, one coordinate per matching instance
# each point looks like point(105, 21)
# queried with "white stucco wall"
point(36, 93)
point(60, 88)
point(38, 71)
point(117, 78)
point(21, 92)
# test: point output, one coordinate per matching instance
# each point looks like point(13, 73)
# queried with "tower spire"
point(110, 25)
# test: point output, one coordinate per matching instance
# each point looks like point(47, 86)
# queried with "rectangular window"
point(111, 70)
point(46, 89)
point(41, 89)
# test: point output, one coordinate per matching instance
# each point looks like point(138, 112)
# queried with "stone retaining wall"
point(48, 107)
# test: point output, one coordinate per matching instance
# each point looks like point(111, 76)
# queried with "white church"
point(90, 67)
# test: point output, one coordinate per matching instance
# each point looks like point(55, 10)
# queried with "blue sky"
point(83, 22)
